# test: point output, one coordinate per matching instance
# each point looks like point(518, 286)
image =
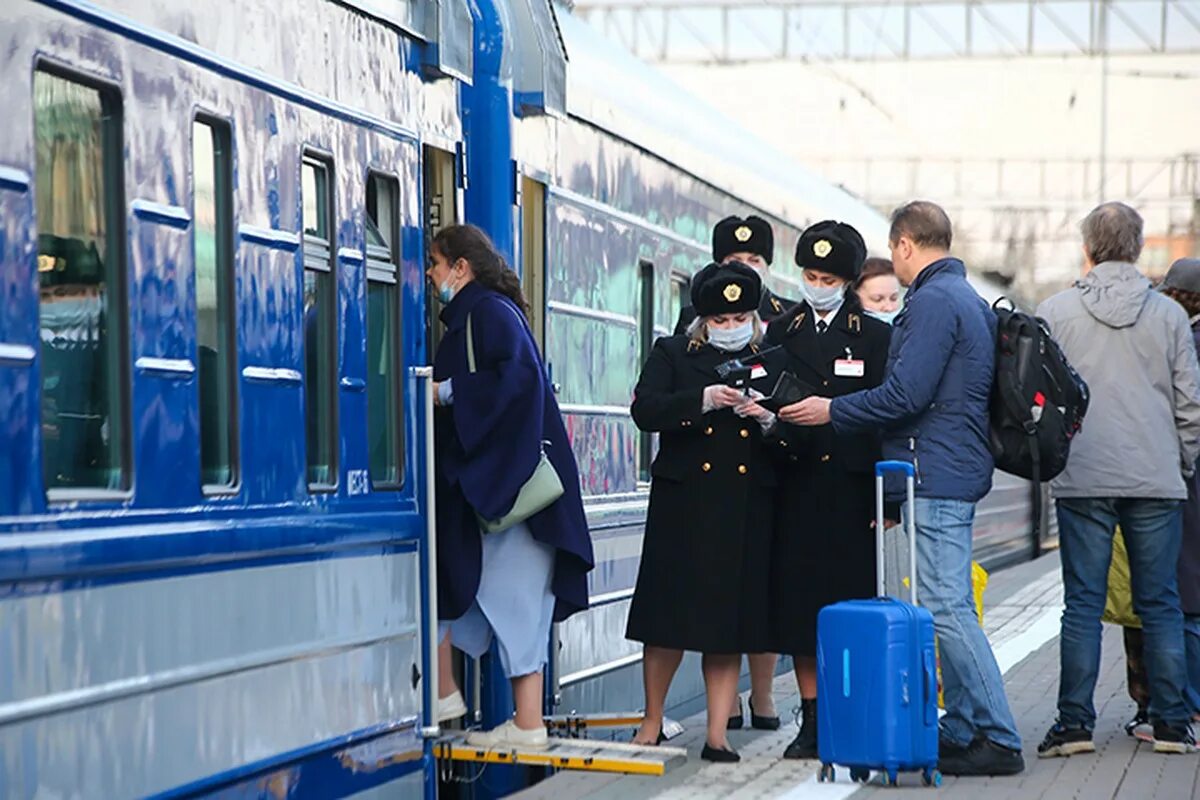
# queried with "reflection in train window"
point(320, 310)
point(384, 399)
point(212, 203)
point(81, 311)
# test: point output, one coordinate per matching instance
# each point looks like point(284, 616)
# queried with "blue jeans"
point(976, 705)
point(1152, 530)
point(1191, 635)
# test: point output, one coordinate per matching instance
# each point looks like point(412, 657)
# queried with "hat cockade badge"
point(732, 292)
point(743, 233)
point(822, 248)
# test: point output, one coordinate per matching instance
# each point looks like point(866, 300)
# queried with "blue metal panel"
point(19, 375)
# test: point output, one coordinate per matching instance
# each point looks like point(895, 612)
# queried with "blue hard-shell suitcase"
point(876, 674)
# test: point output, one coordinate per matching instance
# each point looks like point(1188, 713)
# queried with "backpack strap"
point(470, 346)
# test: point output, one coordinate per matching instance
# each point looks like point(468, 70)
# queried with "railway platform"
point(1022, 608)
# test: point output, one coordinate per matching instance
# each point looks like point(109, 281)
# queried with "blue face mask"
point(884, 316)
point(731, 340)
point(822, 298)
point(446, 292)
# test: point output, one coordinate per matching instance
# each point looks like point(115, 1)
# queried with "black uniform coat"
point(770, 307)
point(706, 550)
point(824, 547)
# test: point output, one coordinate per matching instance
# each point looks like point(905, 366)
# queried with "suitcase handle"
point(930, 680)
point(882, 468)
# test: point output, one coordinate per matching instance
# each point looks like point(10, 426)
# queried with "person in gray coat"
point(1129, 466)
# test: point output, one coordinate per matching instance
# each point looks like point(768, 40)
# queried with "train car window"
point(82, 308)
point(320, 313)
point(680, 285)
point(212, 231)
point(384, 398)
point(645, 342)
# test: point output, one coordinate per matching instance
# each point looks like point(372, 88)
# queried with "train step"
point(576, 725)
point(592, 755)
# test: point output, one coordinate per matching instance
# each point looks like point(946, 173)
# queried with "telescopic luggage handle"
point(881, 469)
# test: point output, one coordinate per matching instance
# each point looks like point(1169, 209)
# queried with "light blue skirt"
point(513, 603)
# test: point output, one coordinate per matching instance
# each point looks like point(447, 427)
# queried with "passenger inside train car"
point(879, 290)
point(514, 549)
point(701, 582)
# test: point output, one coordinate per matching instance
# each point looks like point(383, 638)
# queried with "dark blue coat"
point(933, 405)
point(488, 446)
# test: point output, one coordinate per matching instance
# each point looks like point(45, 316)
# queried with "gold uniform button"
point(825, 382)
point(706, 466)
point(708, 431)
point(742, 469)
point(685, 423)
point(745, 433)
point(825, 458)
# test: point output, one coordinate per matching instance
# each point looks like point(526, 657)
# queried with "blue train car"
point(212, 527)
point(214, 544)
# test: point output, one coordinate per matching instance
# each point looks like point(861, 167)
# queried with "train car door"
point(533, 254)
point(443, 207)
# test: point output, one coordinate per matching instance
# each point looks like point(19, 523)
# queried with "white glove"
point(720, 396)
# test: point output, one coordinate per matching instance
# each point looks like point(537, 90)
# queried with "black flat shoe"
point(762, 723)
point(735, 720)
point(719, 755)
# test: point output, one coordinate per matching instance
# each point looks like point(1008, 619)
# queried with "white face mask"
point(731, 339)
point(884, 316)
point(822, 298)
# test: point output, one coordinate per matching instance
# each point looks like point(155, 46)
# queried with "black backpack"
point(1038, 400)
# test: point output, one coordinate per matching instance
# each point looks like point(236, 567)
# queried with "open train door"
point(443, 206)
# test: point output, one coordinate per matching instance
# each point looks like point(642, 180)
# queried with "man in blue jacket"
point(932, 411)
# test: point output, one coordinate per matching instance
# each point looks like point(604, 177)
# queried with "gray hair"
point(1112, 232)
point(697, 330)
point(926, 224)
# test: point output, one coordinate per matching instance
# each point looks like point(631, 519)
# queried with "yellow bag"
point(979, 580)
point(1118, 605)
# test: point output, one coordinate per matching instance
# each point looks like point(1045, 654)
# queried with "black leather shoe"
point(735, 720)
point(805, 743)
point(982, 757)
point(719, 755)
point(762, 723)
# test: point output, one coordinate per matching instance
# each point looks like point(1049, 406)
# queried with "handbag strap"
point(470, 346)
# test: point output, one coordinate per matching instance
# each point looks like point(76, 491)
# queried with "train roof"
point(615, 91)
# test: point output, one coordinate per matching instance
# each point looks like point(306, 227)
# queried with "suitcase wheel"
point(860, 775)
point(827, 774)
point(931, 777)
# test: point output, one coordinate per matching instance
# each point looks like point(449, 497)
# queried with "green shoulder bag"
point(539, 492)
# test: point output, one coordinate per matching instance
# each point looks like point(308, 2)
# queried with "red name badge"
point(758, 371)
point(849, 368)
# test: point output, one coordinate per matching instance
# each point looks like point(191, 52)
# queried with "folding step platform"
point(577, 725)
point(563, 753)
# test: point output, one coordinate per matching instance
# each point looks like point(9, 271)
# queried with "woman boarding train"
point(706, 550)
point(500, 441)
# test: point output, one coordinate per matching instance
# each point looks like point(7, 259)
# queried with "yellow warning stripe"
point(548, 758)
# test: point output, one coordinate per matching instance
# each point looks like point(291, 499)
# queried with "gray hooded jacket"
point(1134, 348)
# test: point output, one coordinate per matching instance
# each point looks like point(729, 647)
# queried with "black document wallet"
point(788, 389)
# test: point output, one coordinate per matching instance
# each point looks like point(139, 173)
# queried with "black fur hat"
point(737, 235)
point(730, 288)
point(833, 247)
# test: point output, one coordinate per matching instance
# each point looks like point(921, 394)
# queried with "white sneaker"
point(451, 707)
point(509, 735)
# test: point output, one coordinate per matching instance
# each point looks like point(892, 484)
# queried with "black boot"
point(805, 743)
